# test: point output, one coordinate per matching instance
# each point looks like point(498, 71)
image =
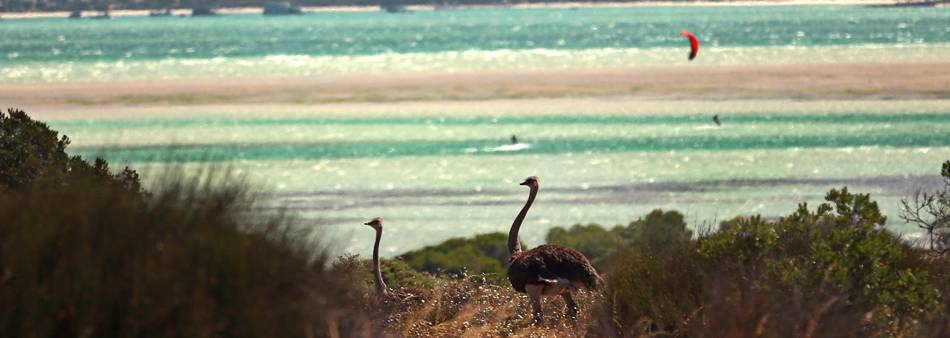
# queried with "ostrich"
point(381, 288)
point(548, 270)
point(403, 295)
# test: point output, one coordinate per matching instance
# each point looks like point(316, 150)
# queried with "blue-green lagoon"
point(441, 169)
point(435, 177)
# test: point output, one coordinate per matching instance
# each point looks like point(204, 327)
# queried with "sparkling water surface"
point(434, 176)
point(141, 48)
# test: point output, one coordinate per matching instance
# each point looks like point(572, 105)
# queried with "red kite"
point(693, 44)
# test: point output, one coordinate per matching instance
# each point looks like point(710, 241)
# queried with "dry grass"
point(471, 308)
point(648, 294)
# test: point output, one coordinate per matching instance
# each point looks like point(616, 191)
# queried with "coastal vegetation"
point(86, 250)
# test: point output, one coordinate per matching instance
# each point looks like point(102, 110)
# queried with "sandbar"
point(891, 81)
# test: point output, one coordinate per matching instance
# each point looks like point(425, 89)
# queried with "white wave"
point(507, 147)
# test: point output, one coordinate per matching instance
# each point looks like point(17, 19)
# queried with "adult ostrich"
point(381, 288)
point(547, 270)
point(402, 295)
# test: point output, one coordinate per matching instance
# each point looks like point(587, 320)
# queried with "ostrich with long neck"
point(548, 270)
point(381, 288)
point(402, 295)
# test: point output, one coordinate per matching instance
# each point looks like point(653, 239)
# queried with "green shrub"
point(653, 290)
point(842, 245)
point(32, 154)
point(85, 260)
point(84, 252)
point(398, 274)
point(658, 230)
point(29, 151)
point(593, 241)
point(482, 254)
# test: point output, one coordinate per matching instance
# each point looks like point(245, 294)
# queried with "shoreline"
point(551, 5)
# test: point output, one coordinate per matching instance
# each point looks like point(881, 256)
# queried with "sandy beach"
point(797, 82)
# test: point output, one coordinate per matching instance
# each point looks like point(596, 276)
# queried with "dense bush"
point(658, 230)
point(482, 254)
point(396, 273)
point(84, 252)
point(649, 291)
point(31, 154)
point(592, 240)
point(814, 270)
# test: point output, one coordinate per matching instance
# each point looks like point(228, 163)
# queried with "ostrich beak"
point(367, 223)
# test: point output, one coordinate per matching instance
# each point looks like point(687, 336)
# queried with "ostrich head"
point(376, 223)
point(531, 182)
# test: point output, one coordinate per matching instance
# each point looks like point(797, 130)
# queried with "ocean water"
point(130, 48)
point(437, 177)
point(434, 175)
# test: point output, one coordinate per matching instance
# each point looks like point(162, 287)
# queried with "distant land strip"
point(50, 8)
point(798, 82)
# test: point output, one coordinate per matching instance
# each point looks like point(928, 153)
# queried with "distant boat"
point(394, 8)
point(914, 3)
point(160, 12)
point(203, 11)
point(281, 8)
point(75, 14)
point(102, 15)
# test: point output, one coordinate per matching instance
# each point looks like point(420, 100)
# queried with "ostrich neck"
point(513, 245)
point(380, 284)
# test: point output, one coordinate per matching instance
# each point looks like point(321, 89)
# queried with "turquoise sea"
point(436, 175)
point(59, 50)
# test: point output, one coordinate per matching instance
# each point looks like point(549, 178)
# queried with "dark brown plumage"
point(547, 270)
point(548, 263)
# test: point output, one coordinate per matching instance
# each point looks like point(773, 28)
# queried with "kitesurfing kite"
point(693, 44)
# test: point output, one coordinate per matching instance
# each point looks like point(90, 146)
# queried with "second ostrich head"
point(531, 182)
point(376, 223)
point(514, 246)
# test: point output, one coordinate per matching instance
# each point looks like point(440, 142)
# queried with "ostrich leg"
point(570, 306)
point(534, 294)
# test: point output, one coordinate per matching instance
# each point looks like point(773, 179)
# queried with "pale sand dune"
point(795, 82)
